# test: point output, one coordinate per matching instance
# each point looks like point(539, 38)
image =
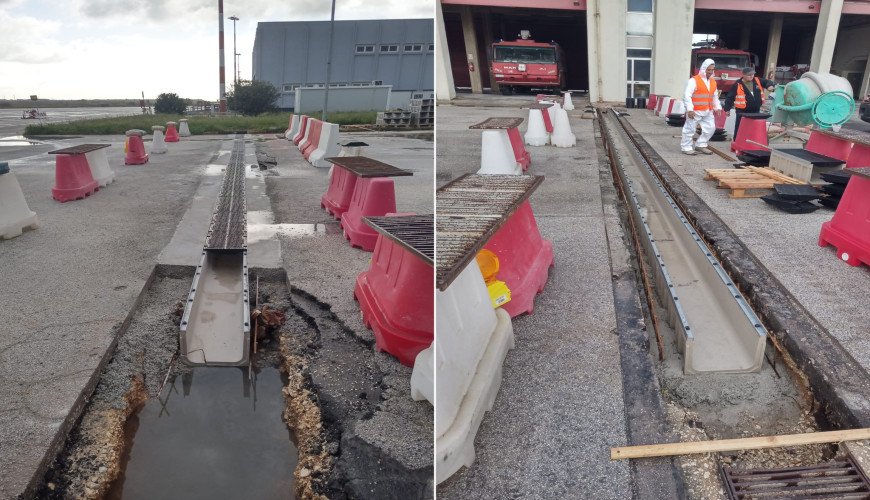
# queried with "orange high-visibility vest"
point(740, 100)
point(702, 98)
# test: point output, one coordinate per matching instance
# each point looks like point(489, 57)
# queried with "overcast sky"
point(86, 49)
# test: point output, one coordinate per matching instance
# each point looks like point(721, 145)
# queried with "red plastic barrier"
point(73, 178)
point(720, 119)
point(302, 129)
point(523, 157)
point(171, 133)
point(372, 197)
point(651, 104)
point(547, 123)
point(859, 157)
point(396, 296)
point(136, 151)
point(336, 201)
point(524, 259)
point(671, 107)
point(829, 146)
point(659, 104)
point(849, 229)
point(751, 129)
point(310, 143)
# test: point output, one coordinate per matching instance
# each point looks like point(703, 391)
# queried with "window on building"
point(389, 48)
point(640, 6)
point(365, 49)
point(290, 87)
point(314, 85)
point(431, 47)
point(360, 84)
point(412, 48)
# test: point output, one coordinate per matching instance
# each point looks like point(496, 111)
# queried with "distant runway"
point(12, 125)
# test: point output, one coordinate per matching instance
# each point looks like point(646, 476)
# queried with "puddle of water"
point(215, 433)
point(261, 230)
point(213, 169)
point(18, 140)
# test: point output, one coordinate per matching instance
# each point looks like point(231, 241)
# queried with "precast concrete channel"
point(712, 396)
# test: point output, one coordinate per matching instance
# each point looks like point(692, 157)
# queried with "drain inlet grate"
point(415, 233)
point(497, 123)
point(80, 149)
point(229, 224)
point(362, 166)
point(471, 209)
point(840, 479)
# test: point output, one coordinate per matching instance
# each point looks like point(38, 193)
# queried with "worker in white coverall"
point(702, 103)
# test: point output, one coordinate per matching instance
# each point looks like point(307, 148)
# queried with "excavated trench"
point(713, 406)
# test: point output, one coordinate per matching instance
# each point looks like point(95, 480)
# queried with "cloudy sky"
point(87, 49)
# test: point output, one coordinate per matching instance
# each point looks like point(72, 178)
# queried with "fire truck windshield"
point(725, 61)
point(541, 55)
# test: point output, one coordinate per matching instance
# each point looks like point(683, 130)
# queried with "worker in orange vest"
point(702, 102)
point(746, 96)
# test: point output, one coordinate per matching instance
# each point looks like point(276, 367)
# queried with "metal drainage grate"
point(229, 224)
point(415, 233)
point(80, 149)
point(497, 123)
point(471, 209)
point(841, 479)
point(362, 166)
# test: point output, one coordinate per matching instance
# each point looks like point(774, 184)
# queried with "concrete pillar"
point(744, 36)
point(487, 39)
point(605, 36)
point(672, 56)
point(471, 49)
point(864, 90)
point(773, 39)
point(445, 89)
point(826, 36)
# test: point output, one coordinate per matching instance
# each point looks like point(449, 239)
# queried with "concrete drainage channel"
point(702, 401)
point(294, 422)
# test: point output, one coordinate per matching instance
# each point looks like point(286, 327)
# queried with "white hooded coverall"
point(705, 118)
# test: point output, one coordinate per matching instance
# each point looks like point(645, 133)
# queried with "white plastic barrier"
point(327, 147)
point(183, 129)
point(300, 131)
point(677, 107)
point(423, 376)
point(473, 340)
point(536, 134)
point(552, 111)
point(100, 169)
point(305, 132)
point(158, 145)
point(567, 104)
point(562, 136)
point(295, 121)
point(663, 110)
point(497, 154)
point(15, 215)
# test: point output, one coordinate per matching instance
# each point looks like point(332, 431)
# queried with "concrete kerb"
point(837, 380)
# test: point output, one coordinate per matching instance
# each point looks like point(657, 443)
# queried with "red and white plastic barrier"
point(327, 147)
point(15, 215)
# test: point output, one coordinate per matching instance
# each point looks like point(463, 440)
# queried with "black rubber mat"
point(797, 192)
point(834, 189)
point(756, 116)
point(817, 159)
point(789, 206)
point(836, 177)
point(830, 201)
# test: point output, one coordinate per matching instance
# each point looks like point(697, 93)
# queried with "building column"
point(605, 36)
point(826, 36)
point(744, 36)
point(445, 89)
point(773, 39)
point(672, 54)
point(471, 49)
point(487, 39)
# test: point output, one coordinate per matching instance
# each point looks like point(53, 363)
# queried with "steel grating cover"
point(415, 233)
point(840, 479)
point(80, 149)
point(471, 209)
point(362, 166)
point(497, 123)
point(229, 225)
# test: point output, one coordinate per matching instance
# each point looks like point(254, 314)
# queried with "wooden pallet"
point(739, 180)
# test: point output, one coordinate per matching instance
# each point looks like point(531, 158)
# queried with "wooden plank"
point(755, 443)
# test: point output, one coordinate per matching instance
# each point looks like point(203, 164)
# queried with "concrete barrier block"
point(183, 129)
point(327, 147)
point(15, 215)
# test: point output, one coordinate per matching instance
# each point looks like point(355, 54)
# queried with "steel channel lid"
point(471, 209)
point(817, 159)
point(838, 479)
point(415, 233)
point(861, 172)
point(855, 136)
point(362, 166)
point(539, 105)
point(497, 123)
point(229, 225)
point(80, 149)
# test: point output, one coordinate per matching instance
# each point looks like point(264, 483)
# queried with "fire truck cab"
point(527, 63)
point(729, 64)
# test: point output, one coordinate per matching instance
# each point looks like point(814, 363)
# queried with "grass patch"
point(199, 125)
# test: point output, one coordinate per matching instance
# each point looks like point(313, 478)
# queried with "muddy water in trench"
point(214, 433)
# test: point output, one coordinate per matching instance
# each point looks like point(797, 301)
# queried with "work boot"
point(689, 152)
point(705, 150)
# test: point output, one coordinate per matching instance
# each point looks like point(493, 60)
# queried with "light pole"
point(235, 54)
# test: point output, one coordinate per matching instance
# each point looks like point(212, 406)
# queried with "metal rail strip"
point(716, 329)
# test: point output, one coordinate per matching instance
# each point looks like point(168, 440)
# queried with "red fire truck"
point(527, 63)
point(729, 63)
